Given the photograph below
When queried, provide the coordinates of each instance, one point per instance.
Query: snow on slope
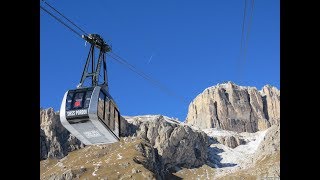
(224, 158)
(228, 160)
(214, 132)
(144, 118)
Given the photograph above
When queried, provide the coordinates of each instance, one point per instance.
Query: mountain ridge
(159, 147)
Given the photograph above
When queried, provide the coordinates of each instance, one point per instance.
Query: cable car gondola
(90, 113)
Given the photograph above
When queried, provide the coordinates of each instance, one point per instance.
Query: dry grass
(261, 169)
(203, 172)
(115, 161)
(112, 161)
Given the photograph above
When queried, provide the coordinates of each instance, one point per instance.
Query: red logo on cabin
(77, 104)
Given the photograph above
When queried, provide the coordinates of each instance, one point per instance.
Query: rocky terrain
(158, 147)
(159, 144)
(55, 140)
(235, 108)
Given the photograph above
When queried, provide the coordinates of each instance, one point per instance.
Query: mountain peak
(230, 131)
(232, 107)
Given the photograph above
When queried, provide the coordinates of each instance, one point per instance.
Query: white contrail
(150, 58)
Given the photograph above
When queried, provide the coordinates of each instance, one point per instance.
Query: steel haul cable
(244, 38)
(140, 73)
(114, 56)
(248, 32)
(55, 17)
(65, 17)
(243, 22)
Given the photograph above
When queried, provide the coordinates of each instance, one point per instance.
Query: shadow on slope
(215, 159)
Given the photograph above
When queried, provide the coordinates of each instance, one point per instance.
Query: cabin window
(78, 100)
(111, 116)
(87, 99)
(107, 111)
(116, 121)
(101, 105)
(69, 101)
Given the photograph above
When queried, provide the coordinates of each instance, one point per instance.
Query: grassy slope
(102, 161)
(115, 161)
(261, 169)
(203, 172)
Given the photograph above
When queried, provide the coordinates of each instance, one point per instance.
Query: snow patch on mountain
(227, 159)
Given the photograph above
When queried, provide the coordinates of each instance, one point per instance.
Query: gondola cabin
(91, 115)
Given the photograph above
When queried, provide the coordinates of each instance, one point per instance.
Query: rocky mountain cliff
(235, 108)
(176, 143)
(55, 140)
(161, 145)
(242, 139)
(163, 148)
(258, 159)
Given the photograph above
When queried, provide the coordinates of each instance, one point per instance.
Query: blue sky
(186, 45)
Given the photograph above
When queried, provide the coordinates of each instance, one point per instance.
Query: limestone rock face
(151, 159)
(44, 144)
(235, 108)
(177, 144)
(271, 98)
(228, 138)
(55, 140)
(270, 144)
(230, 141)
(156, 147)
